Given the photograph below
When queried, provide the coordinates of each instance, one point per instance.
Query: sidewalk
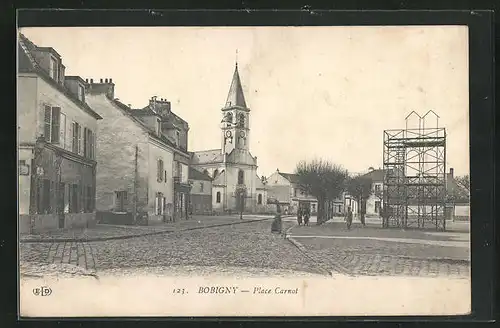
(104, 232)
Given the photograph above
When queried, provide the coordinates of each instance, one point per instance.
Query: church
(232, 167)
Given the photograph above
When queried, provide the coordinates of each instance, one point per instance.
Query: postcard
(243, 171)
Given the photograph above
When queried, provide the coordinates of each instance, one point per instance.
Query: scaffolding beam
(414, 160)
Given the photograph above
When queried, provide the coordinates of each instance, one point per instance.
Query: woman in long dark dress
(299, 216)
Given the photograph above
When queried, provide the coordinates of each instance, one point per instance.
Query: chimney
(451, 172)
(277, 170)
(110, 80)
(105, 87)
(87, 80)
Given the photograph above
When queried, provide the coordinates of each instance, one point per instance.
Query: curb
(304, 251)
(97, 239)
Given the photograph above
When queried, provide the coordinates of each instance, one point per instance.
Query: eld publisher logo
(42, 291)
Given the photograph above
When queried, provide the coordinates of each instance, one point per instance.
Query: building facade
(201, 192)
(232, 167)
(56, 143)
(142, 174)
(284, 188)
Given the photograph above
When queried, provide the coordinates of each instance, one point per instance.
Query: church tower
(235, 128)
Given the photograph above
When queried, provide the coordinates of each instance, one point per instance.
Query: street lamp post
(36, 171)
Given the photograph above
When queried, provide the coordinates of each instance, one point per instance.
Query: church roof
(235, 96)
(194, 174)
(207, 156)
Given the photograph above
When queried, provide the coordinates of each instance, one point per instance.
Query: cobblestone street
(374, 251)
(248, 247)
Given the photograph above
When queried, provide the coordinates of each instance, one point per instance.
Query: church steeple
(235, 96)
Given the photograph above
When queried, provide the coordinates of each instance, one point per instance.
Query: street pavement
(250, 247)
(372, 250)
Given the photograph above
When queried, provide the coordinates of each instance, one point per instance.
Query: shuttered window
(85, 142)
(52, 124)
(76, 138)
(160, 172)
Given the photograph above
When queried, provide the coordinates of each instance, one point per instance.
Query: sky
(313, 92)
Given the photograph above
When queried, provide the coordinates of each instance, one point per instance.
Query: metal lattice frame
(415, 175)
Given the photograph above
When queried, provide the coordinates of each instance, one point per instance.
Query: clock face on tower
(242, 134)
(228, 134)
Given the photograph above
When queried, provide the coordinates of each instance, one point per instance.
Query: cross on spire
(236, 57)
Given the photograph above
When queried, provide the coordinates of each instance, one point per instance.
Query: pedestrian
(299, 216)
(307, 215)
(348, 218)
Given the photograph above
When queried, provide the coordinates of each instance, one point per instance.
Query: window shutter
(74, 138)
(56, 124)
(85, 142)
(80, 139)
(62, 131)
(48, 117)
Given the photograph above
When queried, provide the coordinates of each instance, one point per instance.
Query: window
(177, 138)
(165, 176)
(53, 71)
(76, 137)
(229, 119)
(377, 188)
(160, 172)
(159, 203)
(201, 186)
(259, 199)
(218, 197)
(294, 192)
(81, 93)
(241, 120)
(62, 134)
(121, 201)
(216, 172)
(241, 177)
(52, 129)
(313, 208)
(158, 126)
(377, 206)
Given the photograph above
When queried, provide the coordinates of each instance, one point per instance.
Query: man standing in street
(348, 218)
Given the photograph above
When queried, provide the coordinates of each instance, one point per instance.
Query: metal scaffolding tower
(415, 174)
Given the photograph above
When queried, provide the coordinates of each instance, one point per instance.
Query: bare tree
(463, 191)
(360, 188)
(463, 181)
(323, 180)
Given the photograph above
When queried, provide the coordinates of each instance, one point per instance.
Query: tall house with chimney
(143, 163)
(56, 143)
(233, 168)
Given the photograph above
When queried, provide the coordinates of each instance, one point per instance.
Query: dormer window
(177, 137)
(81, 93)
(53, 69)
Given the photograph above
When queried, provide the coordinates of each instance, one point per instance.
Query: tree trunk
(321, 211)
